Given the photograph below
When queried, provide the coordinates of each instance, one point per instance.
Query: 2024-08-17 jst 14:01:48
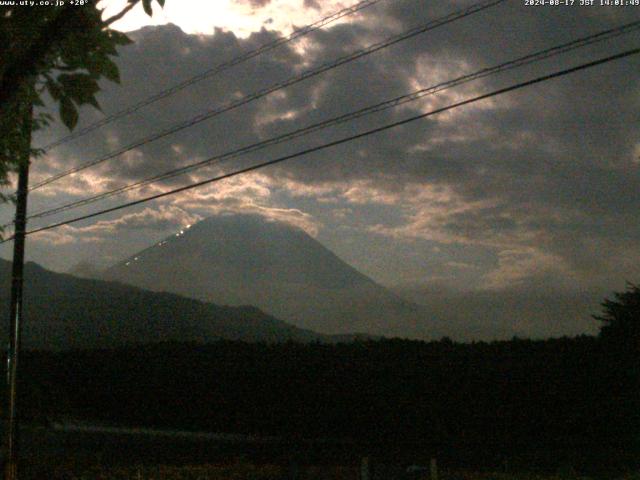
(582, 3)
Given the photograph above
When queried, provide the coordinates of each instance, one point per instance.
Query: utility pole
(15, 333)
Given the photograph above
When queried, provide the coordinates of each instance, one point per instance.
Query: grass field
(189, 472)
(247, 471)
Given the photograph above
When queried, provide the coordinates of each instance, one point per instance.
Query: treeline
(540, 403)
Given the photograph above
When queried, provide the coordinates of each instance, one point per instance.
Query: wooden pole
(15, 333)
(365, 469)
(433, 469)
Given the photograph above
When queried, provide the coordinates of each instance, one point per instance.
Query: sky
(530, 194)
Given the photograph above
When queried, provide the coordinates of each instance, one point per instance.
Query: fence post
(365, 470)
(433, 469)
(294, 470)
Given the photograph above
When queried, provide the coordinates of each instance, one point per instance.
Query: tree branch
(26, 65)
(118, 16)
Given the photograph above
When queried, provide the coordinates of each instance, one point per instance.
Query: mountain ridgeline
(248, 260)
(65, 312)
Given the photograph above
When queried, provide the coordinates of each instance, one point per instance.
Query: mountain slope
(245, 259)
(62, 311)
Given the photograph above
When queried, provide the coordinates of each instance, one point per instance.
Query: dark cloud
(256, 3)
(312, 4)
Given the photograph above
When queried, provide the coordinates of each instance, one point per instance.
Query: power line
(350, 138)
(480, 6)
(400, 100)
(279, 86)
(214, 71)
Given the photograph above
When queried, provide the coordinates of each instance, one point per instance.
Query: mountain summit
(249, 260)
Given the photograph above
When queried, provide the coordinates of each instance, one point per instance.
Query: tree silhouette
(621, 316)
(63, 51)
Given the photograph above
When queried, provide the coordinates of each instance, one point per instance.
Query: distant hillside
(245, 259)
(533, 310)
(63, 311)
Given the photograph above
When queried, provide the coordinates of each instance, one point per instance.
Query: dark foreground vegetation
(533, 404)
(570, 403)
(250, 471)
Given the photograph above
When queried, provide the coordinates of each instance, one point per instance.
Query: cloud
(518, 265)
(250, 194)
(160, 219)
(258, 3)
(242, 17)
